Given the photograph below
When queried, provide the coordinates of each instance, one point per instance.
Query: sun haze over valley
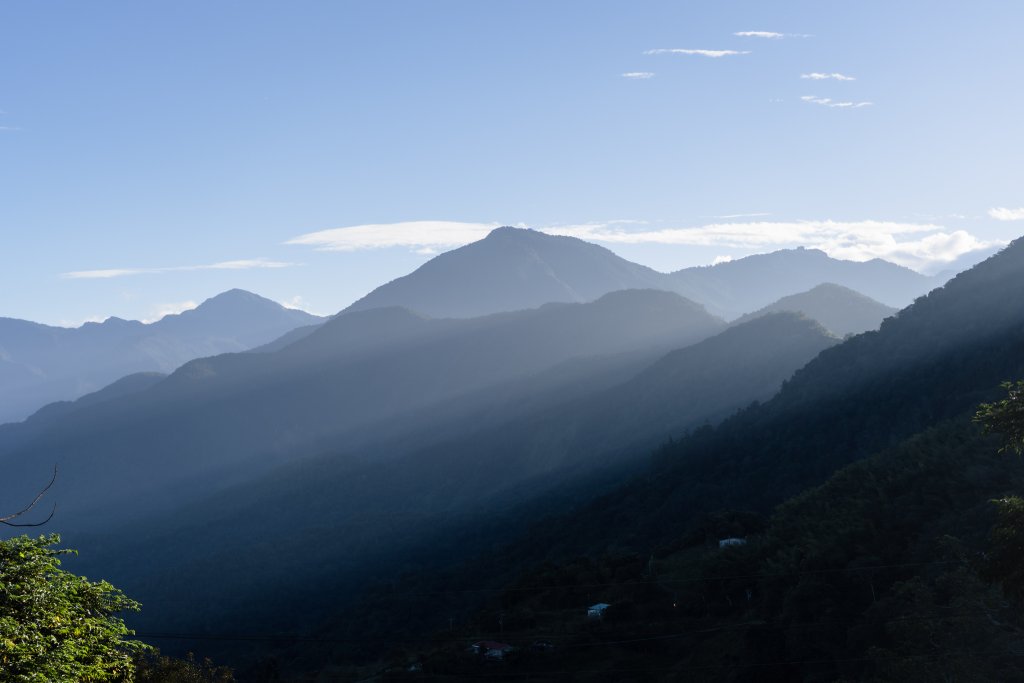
(462, 341)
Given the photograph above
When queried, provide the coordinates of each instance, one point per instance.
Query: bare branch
(7, 520)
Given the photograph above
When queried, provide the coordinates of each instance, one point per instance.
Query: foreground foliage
(1006, 563)
(56, 626)
(1005, 417)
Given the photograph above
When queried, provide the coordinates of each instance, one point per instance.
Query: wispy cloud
(760, 34)
(701, 53)
(771, 35)
(638, 75)
(916, 245)
(840, 104)
(9, 128)
(418, 235)
(1001, 213)
(242, 264)
(819, 76)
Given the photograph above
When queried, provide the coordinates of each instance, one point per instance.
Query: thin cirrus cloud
(1001, 213)
(772, 35)
(690, 51)
(915, 245)
(422, 236)
(638, 75)
(839, 104)
(241, 264)
(821, 76)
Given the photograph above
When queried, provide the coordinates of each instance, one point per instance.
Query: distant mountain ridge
(513, 269)
(40, 364)
(472, 471)
(246, 412)
(744, 285)
(839, 309)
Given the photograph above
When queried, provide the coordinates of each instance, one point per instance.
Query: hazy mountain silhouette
(933, 361)
(330, 455)
(839, 309)
(48, 417)
(513, 269)
(376, 509)
(40, 363)
(219, 419)
(745, 285)
(923, 372)
(964, 262)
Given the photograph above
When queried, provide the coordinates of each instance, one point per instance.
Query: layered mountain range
(515, 268)
(526, 377)
(42, 363)
(512, 269)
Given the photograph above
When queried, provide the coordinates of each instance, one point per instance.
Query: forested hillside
(336, 521)
(878, 574)
(922, 374)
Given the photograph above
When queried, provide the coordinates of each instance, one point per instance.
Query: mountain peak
(235, 297)
(839, 309)
(237, 314)
(511, 269)
(237, 304)
(510, 231)
(111, 322)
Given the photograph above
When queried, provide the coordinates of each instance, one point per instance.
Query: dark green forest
(865, 492)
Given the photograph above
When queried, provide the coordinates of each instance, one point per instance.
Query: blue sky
(155, 154)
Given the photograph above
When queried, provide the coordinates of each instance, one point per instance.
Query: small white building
(597, 611)
(728, 542)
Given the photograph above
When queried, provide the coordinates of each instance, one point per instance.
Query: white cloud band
(819, 76)
(410, 234)
(829, 102)
(915, 245)
(242, 264)
(701, 53)
(770, 34)
(638, 75)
